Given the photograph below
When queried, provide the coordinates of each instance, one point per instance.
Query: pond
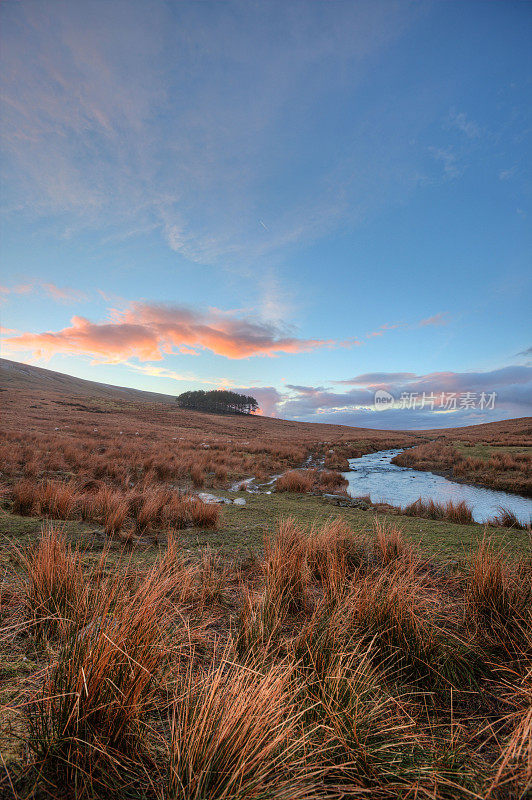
(375, 475)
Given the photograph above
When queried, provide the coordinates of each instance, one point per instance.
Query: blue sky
(313, 200)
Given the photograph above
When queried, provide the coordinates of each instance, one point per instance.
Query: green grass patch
(243, 529)
(486, 451)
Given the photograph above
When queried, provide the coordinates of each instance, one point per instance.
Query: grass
(453, 512)
(308, 480)
(152, 647)
(325, 665)
(498, 597)
(52, 592)
(84, 725)
(235, 734)
(242, 529)
(502, 467)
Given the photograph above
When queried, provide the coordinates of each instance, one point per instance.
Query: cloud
(527, 352)
(61, 294)
(512, 387)
(268, 398)
(460, 121)
(506, 174)
(449, 160)
(378, 378)
(442, 318)
(19, 288)
(161, 372)
(179, 119)
(147, 331)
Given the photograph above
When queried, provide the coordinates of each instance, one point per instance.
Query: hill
(26, 377)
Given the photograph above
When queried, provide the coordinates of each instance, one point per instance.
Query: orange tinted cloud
(442, 318)
(148, 331)
(62, 294)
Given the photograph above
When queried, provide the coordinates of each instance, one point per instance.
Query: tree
(218, 401)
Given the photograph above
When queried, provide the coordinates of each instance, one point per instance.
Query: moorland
(156, 645)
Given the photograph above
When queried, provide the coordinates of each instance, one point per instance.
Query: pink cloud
(20, 288)
(61, 294)
(147, 331)
(442, 318)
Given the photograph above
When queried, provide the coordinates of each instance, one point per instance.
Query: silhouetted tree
(218, 401)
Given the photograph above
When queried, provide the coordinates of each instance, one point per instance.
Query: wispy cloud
(436, 320)
(61, 294)
(140, 117)
(442, 318)
(467, 126)
(449, 159)
(506, 174)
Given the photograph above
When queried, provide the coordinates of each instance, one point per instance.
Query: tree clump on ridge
(218, 401)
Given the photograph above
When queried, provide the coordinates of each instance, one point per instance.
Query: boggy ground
(156, 647)
(497, 464)
(299, 656)
(125, 442)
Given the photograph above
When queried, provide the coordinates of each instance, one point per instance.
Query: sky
(309, 201)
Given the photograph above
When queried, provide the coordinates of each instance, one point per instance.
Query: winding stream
(375, 475)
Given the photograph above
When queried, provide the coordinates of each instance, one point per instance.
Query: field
(156, 646)
(496, 464)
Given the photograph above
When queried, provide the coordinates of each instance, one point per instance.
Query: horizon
(325, 206)
(260, 413)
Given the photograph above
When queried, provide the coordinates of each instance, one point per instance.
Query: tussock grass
(286, 567)
(146, 509)
(339, 665)
(498, 599)
(236, 734)
(308, 480)
(85, 725)
(53, 586)
(505, 518)
(515, 761)
(296, 480)
(367, 739)
(453, 512)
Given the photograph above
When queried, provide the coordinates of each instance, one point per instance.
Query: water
(384, 482)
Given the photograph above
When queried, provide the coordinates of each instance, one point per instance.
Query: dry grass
(296, 480)
(504, 471)
(85, 724)
(123, 444)
(148, 508)
(507, 519)
(498, 598)
(515, 762)
(339, 665)
(53, 589)
(308, 480)
(453, 512)
(334, 668)
(236, 735)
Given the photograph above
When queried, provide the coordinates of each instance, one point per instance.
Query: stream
(375, 475)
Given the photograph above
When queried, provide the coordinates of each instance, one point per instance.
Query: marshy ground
(154, 646)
